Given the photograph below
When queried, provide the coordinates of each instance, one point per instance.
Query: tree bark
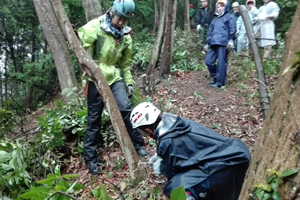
(212, 5)
(263, 92)
(173, 24)
(92, 9)
(156, 17)
(279, 140)
(187, 23)
(6, 79)
(158, 41)
(58, 46)
(166, 57)
(91, 68)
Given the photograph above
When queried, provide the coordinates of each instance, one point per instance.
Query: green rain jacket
(113, 56)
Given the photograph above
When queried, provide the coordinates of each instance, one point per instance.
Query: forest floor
(233, 111)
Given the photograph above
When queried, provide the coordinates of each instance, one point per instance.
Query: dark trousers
(95, 108)
(217, 71)
(225, 184)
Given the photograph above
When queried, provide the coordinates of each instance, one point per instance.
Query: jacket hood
(227, 8)
(168, 123)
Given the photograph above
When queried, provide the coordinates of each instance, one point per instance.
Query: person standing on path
(267, 14)
(203, 19)
(192, 13)
(219, 43)
(110, 45)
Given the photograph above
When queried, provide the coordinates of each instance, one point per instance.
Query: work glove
(255, 20)
(205, 48)
(230, 45)
(153, 159)
(156, 166)
(237, 34)
(130, 91)
(199, 28)
(262, 18)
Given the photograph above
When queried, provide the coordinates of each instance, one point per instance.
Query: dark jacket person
(208, 165)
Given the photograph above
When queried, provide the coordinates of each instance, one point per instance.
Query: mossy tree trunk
(279, 140)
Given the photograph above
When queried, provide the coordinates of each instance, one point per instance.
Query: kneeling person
(207, 164)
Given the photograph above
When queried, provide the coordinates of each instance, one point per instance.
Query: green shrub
(55, 185)
(6, 121)
(15, 158)
(186, 52)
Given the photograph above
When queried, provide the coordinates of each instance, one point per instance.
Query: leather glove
(230, 45)
(156, 166)
(205, 48)
(199, 27)
(130, 91)
(153, 159)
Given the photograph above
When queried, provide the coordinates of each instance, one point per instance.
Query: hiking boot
(212, 82)
(140, 150)
(215, 85)
(94, 167)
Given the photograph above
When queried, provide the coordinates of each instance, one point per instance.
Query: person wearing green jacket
(110, 44)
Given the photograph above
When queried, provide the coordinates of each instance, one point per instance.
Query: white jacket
(267, 26)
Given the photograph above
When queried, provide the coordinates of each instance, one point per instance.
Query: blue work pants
(217, 71)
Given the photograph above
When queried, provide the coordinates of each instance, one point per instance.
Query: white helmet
(235, 4)
(144, 114)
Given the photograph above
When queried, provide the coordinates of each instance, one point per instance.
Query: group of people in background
(224, 31)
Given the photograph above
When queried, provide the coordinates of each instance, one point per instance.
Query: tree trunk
(212, 5)
(279, 140)
(156, 17)
(166, 57)
(1, 92)
(92, 69)
(263, 92)
(173, 25)
(57, 43)
(92, 9)
(5, 79)
(187, 23)
(158, 41)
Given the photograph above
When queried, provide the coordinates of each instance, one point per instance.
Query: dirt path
(228, 111)
(233, 112)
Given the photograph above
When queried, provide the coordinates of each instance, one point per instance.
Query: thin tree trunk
(58, 46)
(1, 92)
(92, 9)
(91, 68)
(156, 17)
(158, 41)
(279, 140)
(187, 23)
(5, 79)
(263, 92)
(166, 57)
(173, 25)
(30, 89)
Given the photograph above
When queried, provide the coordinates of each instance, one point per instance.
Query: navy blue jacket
(192, 152)
(222, 28)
